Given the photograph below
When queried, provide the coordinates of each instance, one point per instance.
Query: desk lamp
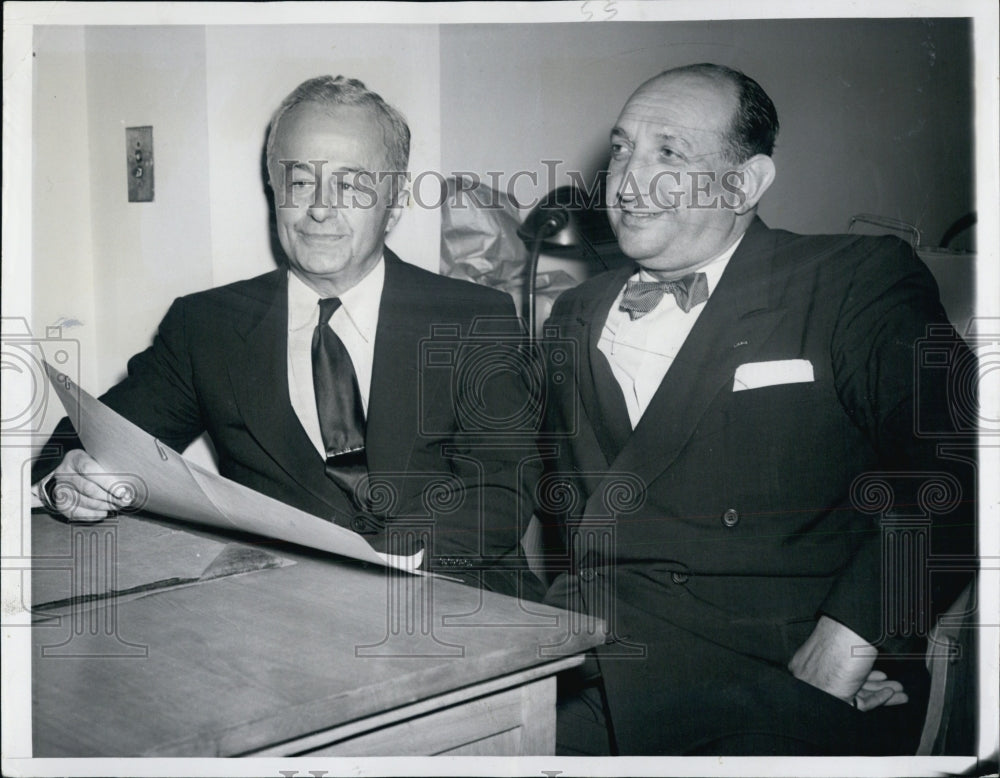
(555, 225)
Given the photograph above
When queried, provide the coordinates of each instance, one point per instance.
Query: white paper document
(172, 486)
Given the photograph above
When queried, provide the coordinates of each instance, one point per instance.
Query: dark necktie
(643, 296)
(338, 402)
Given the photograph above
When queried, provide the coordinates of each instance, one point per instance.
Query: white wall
(146, 254)
(62, 262)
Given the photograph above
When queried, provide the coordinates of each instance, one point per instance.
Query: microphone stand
(549, 227)
(554, 221)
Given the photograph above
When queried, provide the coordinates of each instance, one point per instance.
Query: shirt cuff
(41, 494)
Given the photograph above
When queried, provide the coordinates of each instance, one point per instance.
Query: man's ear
(757, 175)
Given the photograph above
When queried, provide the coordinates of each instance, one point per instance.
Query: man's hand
(81, 490)
(879, 690)
(839, 661)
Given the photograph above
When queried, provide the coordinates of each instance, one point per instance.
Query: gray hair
(330, 91)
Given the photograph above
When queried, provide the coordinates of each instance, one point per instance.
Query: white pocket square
(754, 375)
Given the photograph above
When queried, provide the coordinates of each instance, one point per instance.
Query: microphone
(543, 222)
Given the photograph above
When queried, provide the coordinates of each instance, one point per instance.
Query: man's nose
(321, 211)
(632, 188)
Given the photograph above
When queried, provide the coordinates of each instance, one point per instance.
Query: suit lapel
(737, 320)
(601, 396)
(393, 412)
(259, 375)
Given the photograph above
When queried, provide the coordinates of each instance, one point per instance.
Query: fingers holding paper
(81, 490)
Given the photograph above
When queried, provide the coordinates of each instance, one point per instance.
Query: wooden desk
(321, 656)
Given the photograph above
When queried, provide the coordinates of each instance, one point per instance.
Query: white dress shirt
(355, 322)
(640, 352)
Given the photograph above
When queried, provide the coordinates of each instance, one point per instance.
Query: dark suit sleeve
(903, 406)
(157, 395)
(493, 451)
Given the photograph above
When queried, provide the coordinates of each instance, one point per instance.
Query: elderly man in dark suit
(741, 390)
(310, 379)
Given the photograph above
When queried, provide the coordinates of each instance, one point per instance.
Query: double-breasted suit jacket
(744, 504)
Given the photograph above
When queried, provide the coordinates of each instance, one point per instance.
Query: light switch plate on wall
(139, 163)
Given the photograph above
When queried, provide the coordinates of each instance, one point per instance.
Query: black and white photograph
(596, 387)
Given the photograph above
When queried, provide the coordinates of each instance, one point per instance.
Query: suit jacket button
(731, 517)
(359, 524)
(679, 578)
(587, 574)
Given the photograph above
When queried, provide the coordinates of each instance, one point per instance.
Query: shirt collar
(360, 302)
(712, 270)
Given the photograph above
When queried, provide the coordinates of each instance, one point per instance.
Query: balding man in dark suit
(739, 387)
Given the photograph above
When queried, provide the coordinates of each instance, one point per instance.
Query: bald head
(753, 121)
(689, 163)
